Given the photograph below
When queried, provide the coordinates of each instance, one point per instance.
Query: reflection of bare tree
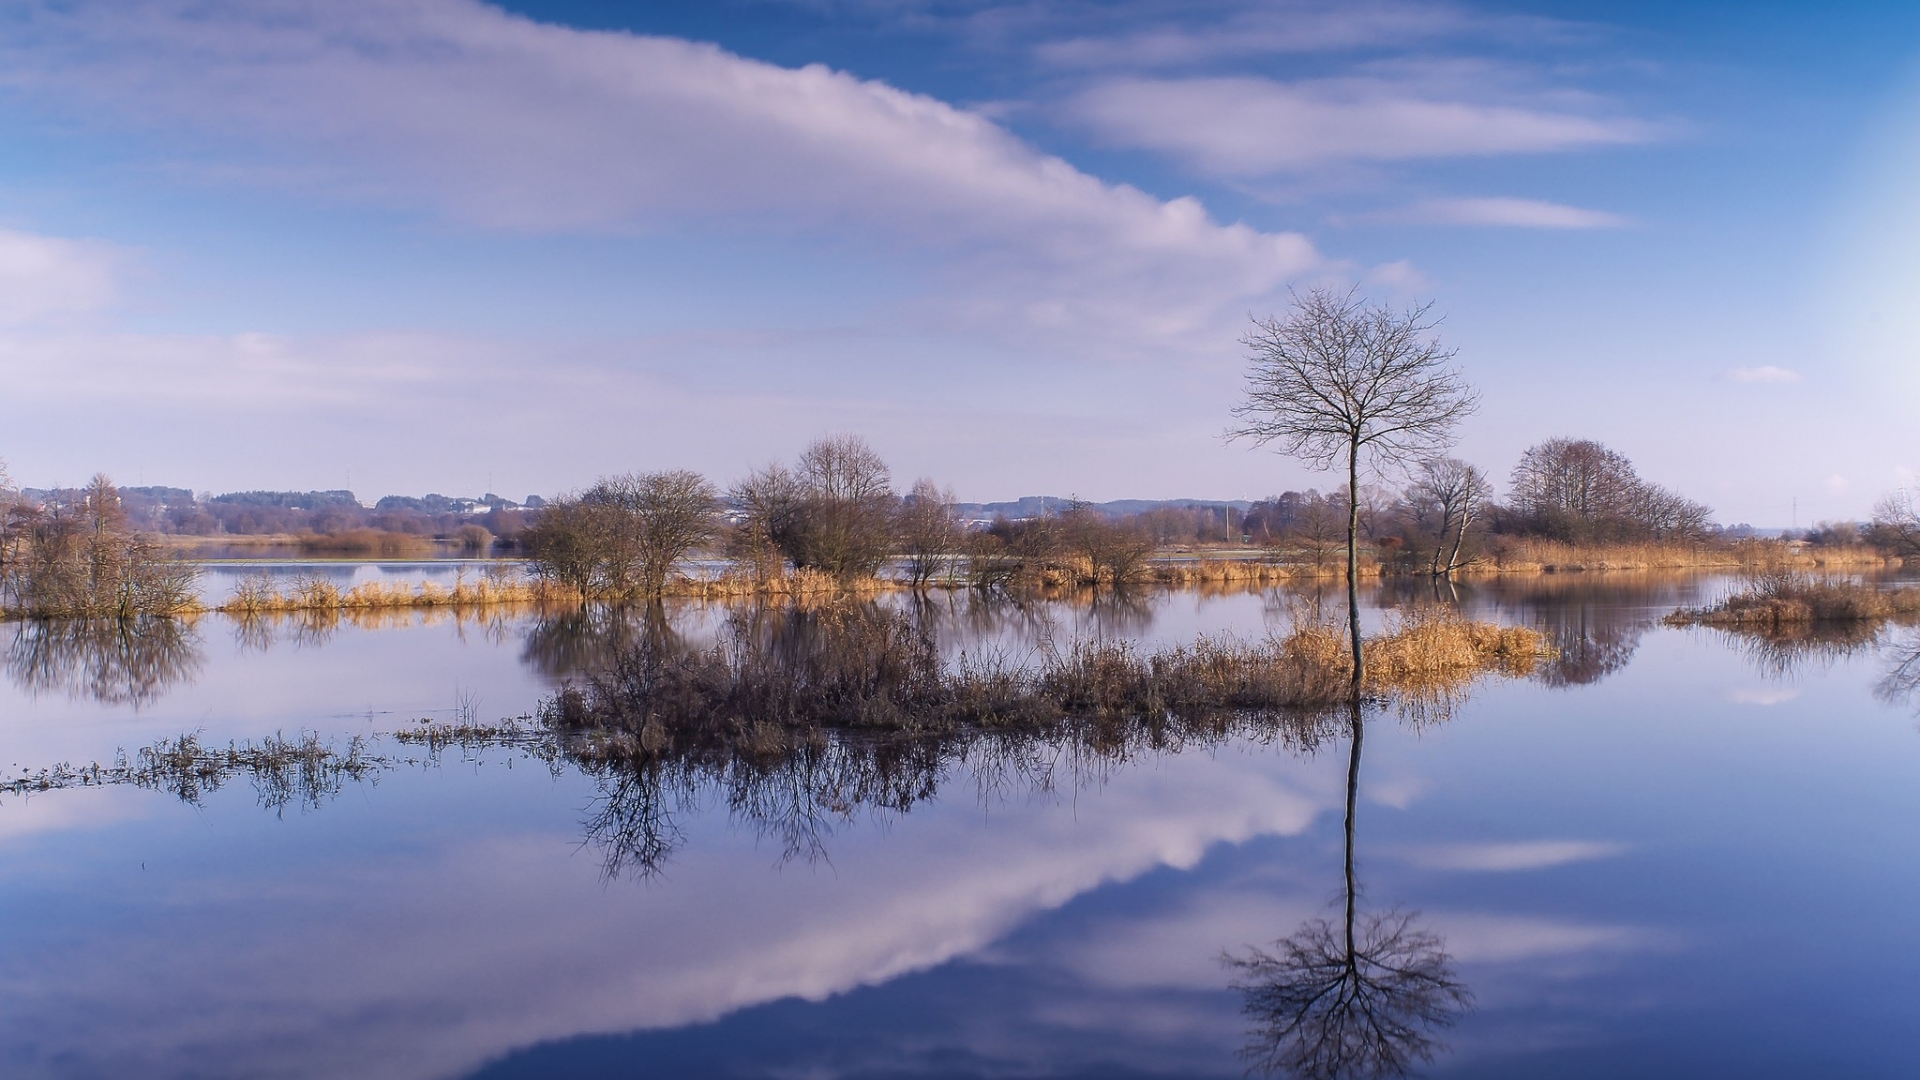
(1590, 645)
(112, 661)
(588, 638)
(1900, 683)
(1361, 1000)
(1783, 654)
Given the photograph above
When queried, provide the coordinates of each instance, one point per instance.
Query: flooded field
(1665, 852)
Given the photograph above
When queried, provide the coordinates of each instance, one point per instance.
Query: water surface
(1669, 853)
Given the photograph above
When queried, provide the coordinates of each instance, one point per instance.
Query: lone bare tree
(1896, 523)
(623, 536)
(1454, 493)
(929, 531)
(1342, 378)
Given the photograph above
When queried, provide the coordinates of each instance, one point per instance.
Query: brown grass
(1226, 571)
(260, 594)
(1524, 554)
(1784, 599)
(365, 542)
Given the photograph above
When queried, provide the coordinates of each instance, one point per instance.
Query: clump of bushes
(80, 559)
(770, 680)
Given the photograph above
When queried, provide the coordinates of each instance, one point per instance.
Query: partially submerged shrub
(1785, 598)
(858, 666)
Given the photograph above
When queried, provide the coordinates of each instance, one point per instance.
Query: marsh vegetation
(1786, 598)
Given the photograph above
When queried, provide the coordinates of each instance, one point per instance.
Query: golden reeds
(1781, 599)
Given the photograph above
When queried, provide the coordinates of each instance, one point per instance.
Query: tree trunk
(1459, 538)
(1353, 563)
(1353, 803)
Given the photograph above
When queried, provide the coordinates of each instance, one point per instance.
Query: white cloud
(1764, 374)
(506, 123)
(1515, 213)
(1246, 127)
(1266, 30)
(1837, 484)
(1519, 855)
(43, 276)
(1401, 276)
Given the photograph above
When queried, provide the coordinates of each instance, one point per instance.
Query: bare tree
(675, 513)
(78, 558)
(1453, 493)
(623, 536)
(848, 507)
(562, 545)
(1896, 523)
(1339, 378)
(770, 502)
(1579, 490)
(928, 530)
(1115, 551)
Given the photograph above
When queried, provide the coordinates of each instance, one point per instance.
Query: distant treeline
(178, 511)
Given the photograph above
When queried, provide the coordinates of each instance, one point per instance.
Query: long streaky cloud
(500, 122)
(1247, 127)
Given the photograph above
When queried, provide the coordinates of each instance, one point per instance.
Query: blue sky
(437, 244)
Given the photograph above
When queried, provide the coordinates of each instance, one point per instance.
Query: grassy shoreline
(501, 583)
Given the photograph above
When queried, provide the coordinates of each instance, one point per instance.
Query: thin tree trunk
(1353, 563)
(1353, 803)
(1459, 538)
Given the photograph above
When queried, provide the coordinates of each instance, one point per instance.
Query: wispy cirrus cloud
(1507, 212)
(499, 122)
(1252, 126)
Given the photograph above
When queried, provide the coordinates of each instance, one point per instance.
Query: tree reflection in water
(589, 637)
(1359, 1000)
(1899, 684)
(112, 661)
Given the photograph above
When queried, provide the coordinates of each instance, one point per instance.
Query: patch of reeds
(1533, 554)
(1225, 571)
(261, 594)
(365, 543)
(1783, 599)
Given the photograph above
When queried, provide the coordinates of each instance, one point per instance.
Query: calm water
(1670, 853)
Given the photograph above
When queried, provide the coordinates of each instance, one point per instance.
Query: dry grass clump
(365, 542)
(1784, 598)
(1209, 571)
(801, 584)
(1511, 554)
(262, 594)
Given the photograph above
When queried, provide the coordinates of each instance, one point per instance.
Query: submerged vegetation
(303, 772)
(772, 681)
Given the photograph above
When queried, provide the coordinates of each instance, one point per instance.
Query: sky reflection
(1625, 872)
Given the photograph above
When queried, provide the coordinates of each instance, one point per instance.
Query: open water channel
(1667, 853)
